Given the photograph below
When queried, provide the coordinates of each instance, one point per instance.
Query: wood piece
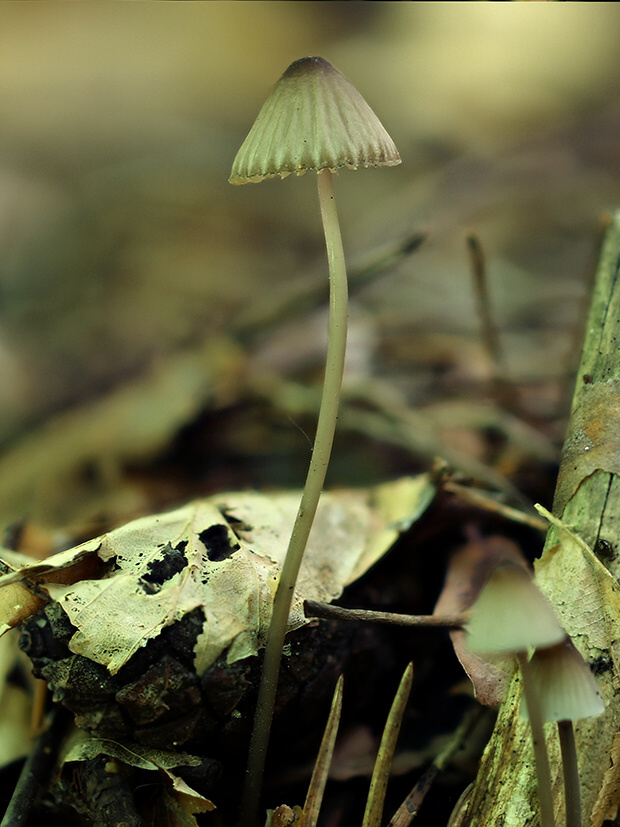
(588, 500)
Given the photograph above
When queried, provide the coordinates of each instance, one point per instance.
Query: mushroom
(568, 692)
(511, 616)
(314, 119)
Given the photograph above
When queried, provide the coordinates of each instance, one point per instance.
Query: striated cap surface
(566, 687)
(313, 119)
(511, 614)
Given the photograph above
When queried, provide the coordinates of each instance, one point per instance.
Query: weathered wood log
(582, 584)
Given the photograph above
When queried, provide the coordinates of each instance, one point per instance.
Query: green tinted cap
(511, 614)
(316, 119)
(567, 689)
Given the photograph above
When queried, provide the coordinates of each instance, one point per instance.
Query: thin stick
(541, 758)
(410, 807)
(326, 426)
(325, 611)
(504, 390)
(481, 287)
(481, 499)
(306, 294)
(572, 792)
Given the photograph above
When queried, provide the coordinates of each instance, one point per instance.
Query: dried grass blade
(381, 771)
(320, 772)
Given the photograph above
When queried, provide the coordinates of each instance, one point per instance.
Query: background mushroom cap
(511, 614)
(316, 119)
(566, 687)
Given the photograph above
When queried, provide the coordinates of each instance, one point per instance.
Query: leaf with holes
(223, 555)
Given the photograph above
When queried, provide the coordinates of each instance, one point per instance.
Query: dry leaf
(285, 816)
(591, 610)
(84, 747)
(468, 570)
(17, 601)
(184, 798)
(224, 555)
(50, 570)
(16, 604)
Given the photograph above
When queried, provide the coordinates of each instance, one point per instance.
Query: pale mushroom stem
(572, 793)
(541, 757)
(326, 426)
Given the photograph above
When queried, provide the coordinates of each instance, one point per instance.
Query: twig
(34, 773)
(326, 611)
(490, 338)
(482, 499)
(307, 294)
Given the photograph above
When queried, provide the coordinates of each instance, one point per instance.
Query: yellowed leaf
(19, 601)
(591, 610)
(224, 555)
(22, 567)
(16, 604)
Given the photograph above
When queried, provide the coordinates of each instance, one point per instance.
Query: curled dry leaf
(63, 567)
(84, 748)
(285, 816)
(468, 570)
(224, 555)
(19, 601)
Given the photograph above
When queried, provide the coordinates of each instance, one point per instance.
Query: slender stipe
(321, 452)
(541, 757)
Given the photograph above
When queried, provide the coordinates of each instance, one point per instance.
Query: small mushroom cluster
(511, 616)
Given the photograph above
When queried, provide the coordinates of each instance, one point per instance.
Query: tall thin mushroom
(314, 119)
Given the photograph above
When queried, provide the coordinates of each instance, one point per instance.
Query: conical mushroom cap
(567, 690)
(511, 615)
(314, 118)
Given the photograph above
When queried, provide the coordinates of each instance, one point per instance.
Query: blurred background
(122, 246)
